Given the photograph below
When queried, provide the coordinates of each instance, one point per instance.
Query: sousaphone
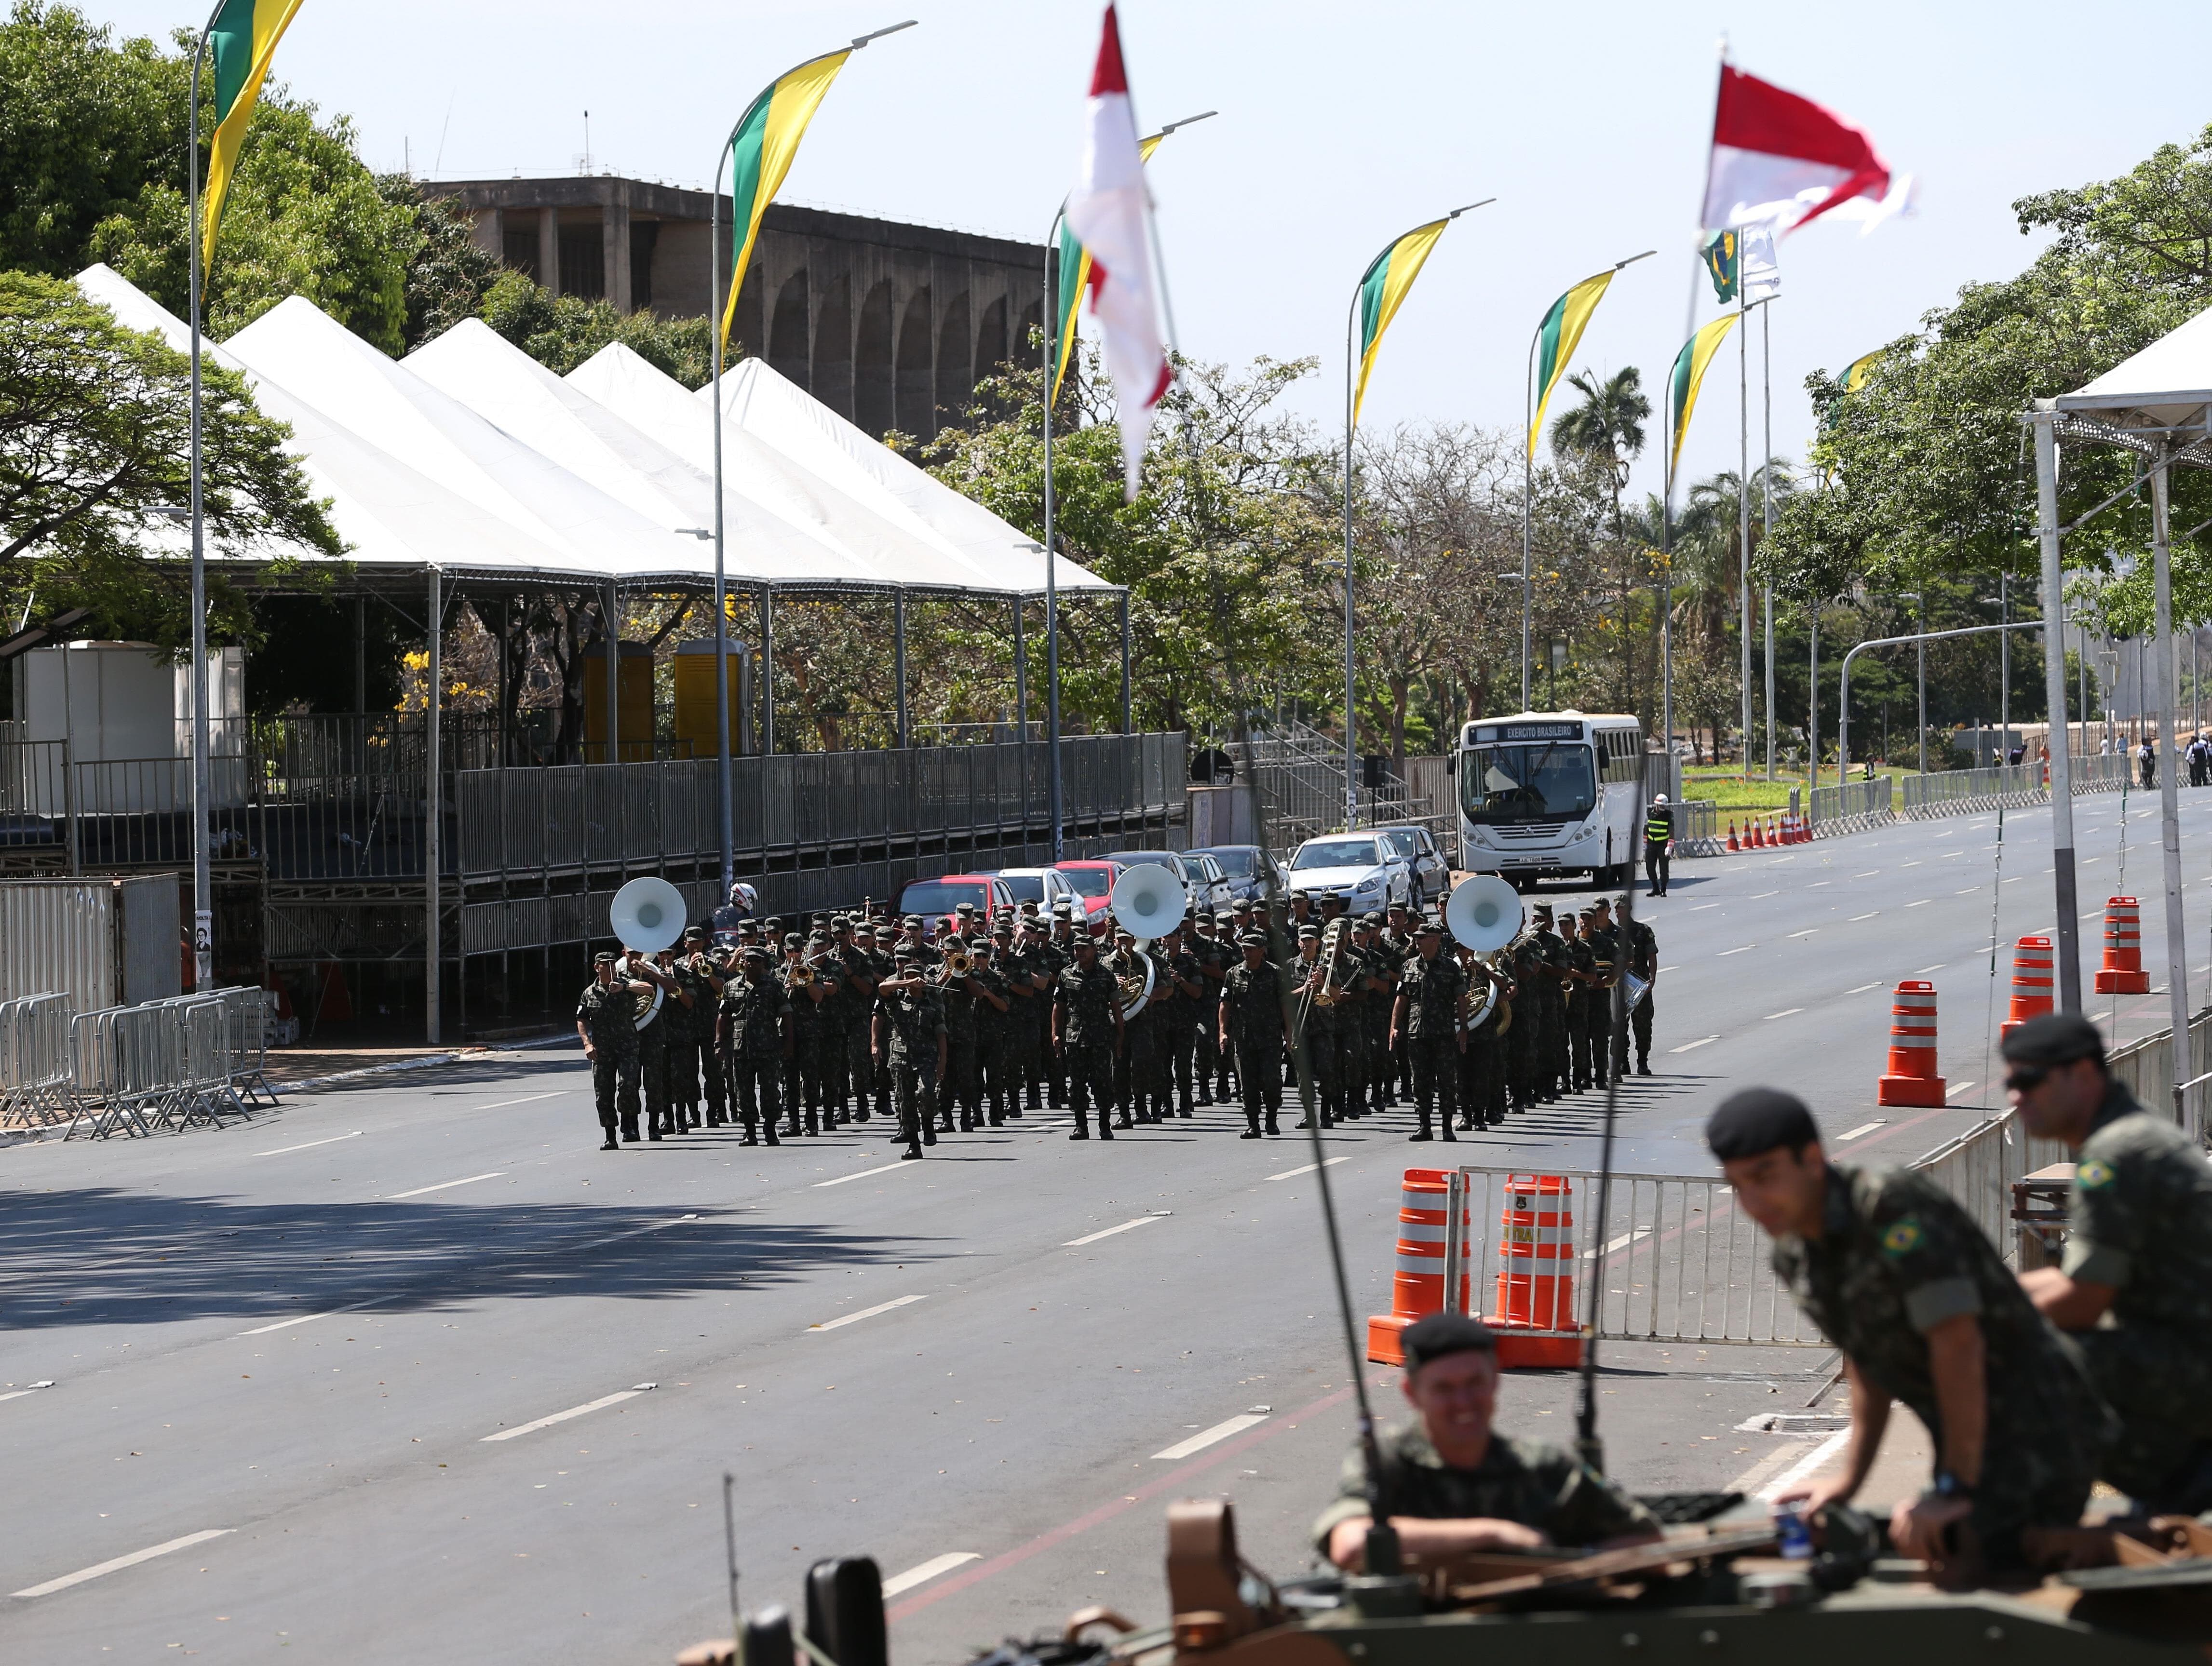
(647, 915)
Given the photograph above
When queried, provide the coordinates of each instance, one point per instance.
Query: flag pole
(1051, 573)
(1351, 695)
(1527, 499)
(1744, 502)
(1766, 495)
(1667, 583)
(202, 878)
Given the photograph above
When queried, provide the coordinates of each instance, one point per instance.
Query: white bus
(1545, 795)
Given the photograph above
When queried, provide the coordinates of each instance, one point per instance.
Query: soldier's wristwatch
(1948, 1486)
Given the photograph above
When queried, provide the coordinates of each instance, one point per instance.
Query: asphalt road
(350, 1343)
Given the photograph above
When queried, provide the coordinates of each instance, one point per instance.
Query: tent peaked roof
(2168, 385)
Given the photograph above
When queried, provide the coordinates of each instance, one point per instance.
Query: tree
(1608, 425)
(448, 276)
(561, 331)
(94, 423)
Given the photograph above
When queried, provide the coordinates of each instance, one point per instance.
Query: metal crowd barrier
(169, 1064)
(38, 1084)
(1853, 807)
(1956, 791)
(122, 1070)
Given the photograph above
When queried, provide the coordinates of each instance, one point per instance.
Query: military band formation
(787, 1033)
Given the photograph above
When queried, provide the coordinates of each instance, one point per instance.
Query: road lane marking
(1689, 1046)
(1961, 1088)
(1701, 908)
(1808, 1465)
(1862, 988)
(1762, 895)
(1855, 918)
(1940, 855)
(1868, 874)
(1205, 1437)
(527, 1098)
(1291, 1173)
(1914, 863)
(601, 1404)
(1808, 931)
(862, 1175)
(1725, 953)
(311, 1144)
(445, 1186)
(1968, 891)
(1924, 970)
(922, 1572)
(1863, 1127)
(865, 1313)
(131, 1561)
(1619, 1244)
(1125, 1226)
(19, 1393)
(301, 1319)
(1922, 903)
(1787, 1012)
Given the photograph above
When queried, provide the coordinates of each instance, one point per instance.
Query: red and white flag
(1107, 212)
(1780, 159)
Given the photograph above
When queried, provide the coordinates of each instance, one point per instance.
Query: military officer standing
(1581, 978)
(1314, 1021)
(1524, 963)
(1398, 947)
(753, 1036)
(1897, 1276)
(1252, 1028)
(699, 985)
(1640, 955)
(607, 1023)
(2135, 1287)
(1087, 1034)
(1604, 939)
(1553, 1075)
(910, 1038)
(961, 1071)
(994, 1013)
(1431, 1005)
(1054, 955)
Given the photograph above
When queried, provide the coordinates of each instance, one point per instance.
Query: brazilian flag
(1723, 255)
(240, 41)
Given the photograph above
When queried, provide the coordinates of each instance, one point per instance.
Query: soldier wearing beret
(2134, 1287)
(1901, 1281)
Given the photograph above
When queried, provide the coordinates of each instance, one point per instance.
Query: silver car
(1417, 848)
(1356, 867)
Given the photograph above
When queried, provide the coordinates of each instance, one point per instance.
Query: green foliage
(449, 275)
(93, 425)
(561, 331)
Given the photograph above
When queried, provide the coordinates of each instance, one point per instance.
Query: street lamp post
(203, 893)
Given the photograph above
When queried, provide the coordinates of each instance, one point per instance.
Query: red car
(1094, 883)
(938, 900)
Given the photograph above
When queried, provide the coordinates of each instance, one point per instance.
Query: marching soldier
(883, 941)
(1431, 1006)
(1639, 955)
(753, 1037)
(958, 1083)
(1054, 955)
(909, 1038)
(1030, 992)
(659, 1040)
(1135, 1061)
(1397, 947)
(1186, 990)
(1581, 978)
(1087, 1034)
(993, 1019)
(1353, 1017)
(814, 989)
(1604, 939)
(607, 1023)
(1481, 1073)
(699, 985)
(1554, 1077)
(1252, 1028)
(1524, 964)
(1206, 954)
(1314, 1022)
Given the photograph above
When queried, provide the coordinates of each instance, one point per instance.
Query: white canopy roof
(2168, 385)
(472, 457)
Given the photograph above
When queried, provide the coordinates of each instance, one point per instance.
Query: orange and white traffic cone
(2122, 973)
(1535, 1276)
(1732, 842)
(2032, 977)
(1417, 1290)
(1911, 1078)
(1758, 837)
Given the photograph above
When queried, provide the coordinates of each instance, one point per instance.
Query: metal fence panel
(37, 1078)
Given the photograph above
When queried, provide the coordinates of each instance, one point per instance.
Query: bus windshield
(1547, 781)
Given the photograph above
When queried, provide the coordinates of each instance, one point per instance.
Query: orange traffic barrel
(1418, 1288)
(2032, 981)
(2122, 973)
(1911, 1078)
(1536, 1289)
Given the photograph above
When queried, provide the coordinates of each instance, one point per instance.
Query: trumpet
(802, 975)
(957, 963)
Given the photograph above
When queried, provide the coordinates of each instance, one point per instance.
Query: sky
(1340, 127)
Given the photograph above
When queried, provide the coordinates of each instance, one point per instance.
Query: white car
(1357, 867)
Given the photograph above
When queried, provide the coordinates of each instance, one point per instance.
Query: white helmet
(1661, 799)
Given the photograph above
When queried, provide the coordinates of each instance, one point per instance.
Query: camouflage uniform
(1087, 1002)
(1135, 1064)
(960, 1063)
(1252, 1012)
(1431, 991)
(914, 1020)
(1597, 1005)
(1528, 1481)
(1050, 958)
(993, 1027)
(1209, 1065)
(749, 1036)
(1553, 1074)
(1524, 1038)
(1579, 998)
(1480, 1078)
(2139, 1218)
(696, 1069)
(608, 1013)
(1895, 1258)
(1179, 1025)
(1354, 1018)
(814, 1031)
(656, 1042)
(1024, 1044)
(1642, 953)
(1317, 1025)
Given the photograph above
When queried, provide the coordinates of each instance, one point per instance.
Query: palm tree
(1608, 424)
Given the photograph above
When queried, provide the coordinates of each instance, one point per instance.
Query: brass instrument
(802, 975)
(1135, 989)
(1331, 957)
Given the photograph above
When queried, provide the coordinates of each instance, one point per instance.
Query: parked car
(934, 899)
(1042, 885)
(1247, 868)
(1093, 881)
(1356, 867)
(1205, 890)
(1417, 848)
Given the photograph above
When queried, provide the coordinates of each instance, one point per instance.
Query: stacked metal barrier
(38, 1085)
(122, 1069)
(167, 1064)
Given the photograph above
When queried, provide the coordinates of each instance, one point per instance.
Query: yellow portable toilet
(695, 697)
(633, 694)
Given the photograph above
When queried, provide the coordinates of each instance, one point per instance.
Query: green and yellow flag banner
(1557, 341)
(761, 153)
(241, 42)
(1854, 375)
(1074, 278)
(1723, 253)
(1689, 373)
(1383, 291)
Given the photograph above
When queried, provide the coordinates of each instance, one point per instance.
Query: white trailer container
(104, 942)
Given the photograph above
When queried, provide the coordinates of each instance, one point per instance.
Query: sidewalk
(300, 1068)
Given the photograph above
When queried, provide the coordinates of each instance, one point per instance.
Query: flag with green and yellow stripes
(1074, 275)
(1556, 341)
(761, 150)
(1383, 291)
(240, 40)
(1689, 374)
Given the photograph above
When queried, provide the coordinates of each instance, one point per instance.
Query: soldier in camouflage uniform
(1425, 1019)
(1252, 1028)
(1181, 987)
(1314, 1024)
(1086, 1034)
(813, 988)
(1604, 939)
(1136, 1063)
(1553, 1075)
(607, 1023)
(1523, 963)
(1213, 961)
(1053, 957)
(1642, 958)
(1575, 987)
(699, 985)
(880, 1070)
(660, 1044)
(1481, 1078)
(2135, 1285)
(1029, 992)
(909, 1036)
(1898, 1276)
(1455, 1484)
(959, 1087)
(753, 1037)
(993, 1016)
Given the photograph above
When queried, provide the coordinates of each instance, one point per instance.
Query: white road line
(1863, 1127)
(1924, 970)
(1725, 953)
(1620, 1242)
(1856, 917)
(1868, 874)
(1914, 863)
(1787, 1012)
(1808, 931)
(327, 1313)
(865, 1313)
(862, 1175)
(311, 1144)
(922, 1572)
(1968, 891)
(527, 1098)
(1811, 1463)
(1125, 1226)
(601, 1404)
(1205, 1437)
(1940, 855)
(1961, 1088)
(1689, 1046)
(1288, 1174)
(131, 1561)
(445, 1185)
(1762, 895)
(1668, 969)
(1922, 903)
(19, 1393)
(1701, 908)
(1862, 988)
